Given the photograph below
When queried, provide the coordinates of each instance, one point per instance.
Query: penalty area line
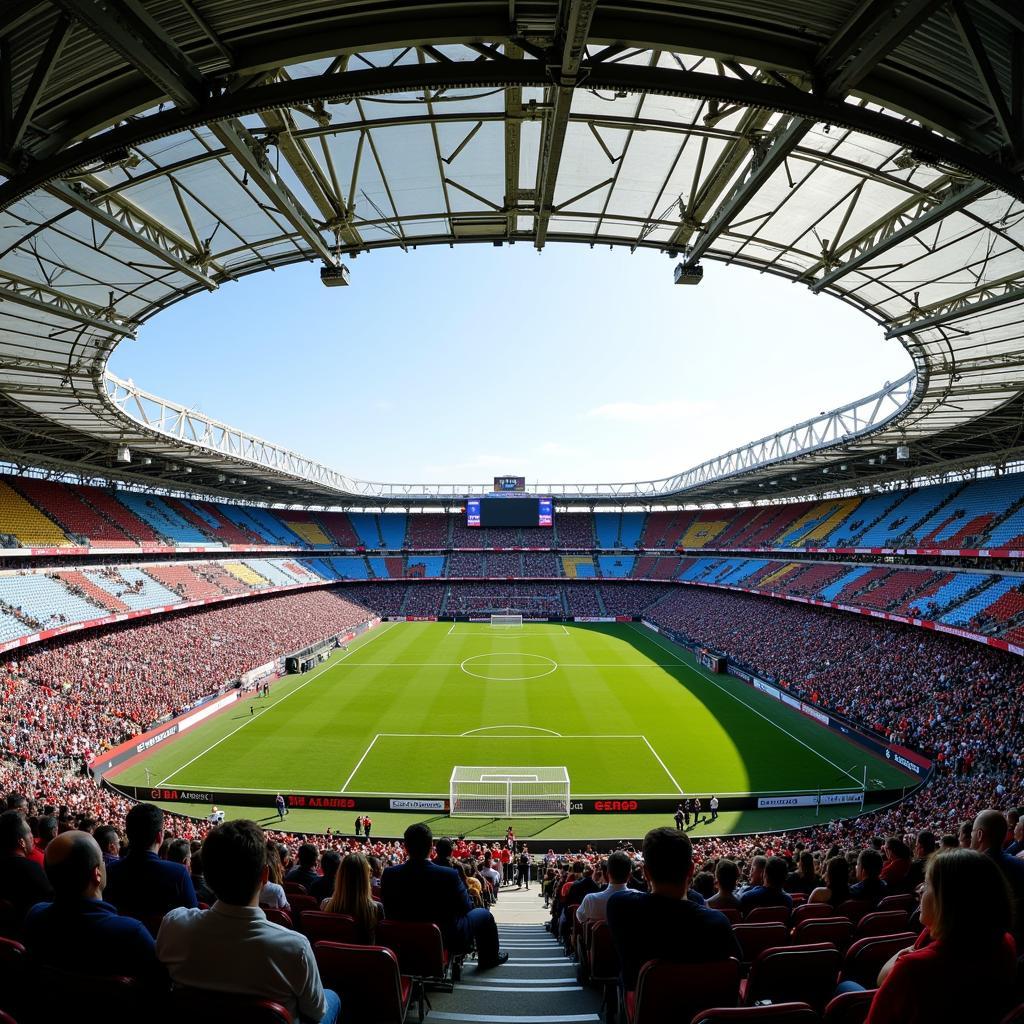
(359, 762)
(672, 778)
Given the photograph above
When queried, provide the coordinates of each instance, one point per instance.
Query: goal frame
(514, 621)
(499, 791)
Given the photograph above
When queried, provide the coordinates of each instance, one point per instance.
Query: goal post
(507, 621)
(509, 792)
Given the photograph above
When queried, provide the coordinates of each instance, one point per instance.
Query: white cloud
(673, 410)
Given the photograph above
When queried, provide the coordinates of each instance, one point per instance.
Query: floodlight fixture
(124, 454)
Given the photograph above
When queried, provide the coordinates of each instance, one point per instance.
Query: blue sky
(455, 365)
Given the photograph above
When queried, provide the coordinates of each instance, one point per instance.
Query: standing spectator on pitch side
(714, 808)
(678, 817)
(359, 826)
(367, 825)
(282, 810)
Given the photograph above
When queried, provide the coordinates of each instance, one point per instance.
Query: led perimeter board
(511, 512)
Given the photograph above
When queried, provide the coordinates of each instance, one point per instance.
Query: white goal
(507, 621)
(502, 792)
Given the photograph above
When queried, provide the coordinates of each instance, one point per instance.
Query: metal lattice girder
(132, 223)
(126, 27)
(45, 299)
(236, 139)
(573, 29)
(904, 222)
(968, 303)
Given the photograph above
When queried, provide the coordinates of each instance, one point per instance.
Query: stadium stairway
(538, 984)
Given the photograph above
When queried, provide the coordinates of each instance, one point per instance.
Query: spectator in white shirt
(491, 875)
(232, 947)
(595, 904)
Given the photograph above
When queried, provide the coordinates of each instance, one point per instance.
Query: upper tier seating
(81, 584)
(220, 526)
(45, 601)
(664, 529)
(578, 567)
(503, 563)
(164, 520)
(348, 567)
(65, 506)
(305, 525)
(184, 580)
(200, 521)
(21, 520)
(365, 525)
(339, 527)
(429, 531)
(575, 530)
(11, 627)
(426, 566)
(616, 565)
(465, 563)
(106, 503)
(134, 587)
(541, 563)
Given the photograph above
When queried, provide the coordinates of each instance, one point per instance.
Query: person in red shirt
(897, 865)
(963, 964)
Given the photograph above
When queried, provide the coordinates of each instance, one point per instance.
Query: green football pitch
(628, 713)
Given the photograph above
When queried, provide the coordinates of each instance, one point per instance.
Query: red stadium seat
(201, 1006)
(755, 938)
(731, 913)
(6, 1019)
(853, 909)
(904, 901)
(294, 888)
(419, 947)
(301, 903)
(667, 993)
(849, 1008)
(809, 910)
(765, 915)
(781, 1013)
(604, 965)
(281, 917)
(796, 974)
(882, 922)
(867, 956)
(367, 979)
(122, 998)
(837, 930)
(320, 926)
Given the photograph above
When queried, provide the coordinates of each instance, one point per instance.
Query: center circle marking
(545, 668)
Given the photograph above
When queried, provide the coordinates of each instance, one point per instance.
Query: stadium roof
(152, 149)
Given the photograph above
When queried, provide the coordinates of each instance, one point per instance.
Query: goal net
(501, 792)
(507, 621)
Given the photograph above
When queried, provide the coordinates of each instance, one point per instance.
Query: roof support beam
(235, 138)
(130, 222)
(126, 28)
(40, 75)
(769, 155)
(44, 299)
(513, 137)
(969, 303)
(878, 27)
(574, 21)
(894, 228)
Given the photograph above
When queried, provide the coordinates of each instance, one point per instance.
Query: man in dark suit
(78, 929)
(140, 884)
(663, 924)
(305, 871)
(988, 836)
(870, 886)
(22, 881)
(421, 891)
(771, 893)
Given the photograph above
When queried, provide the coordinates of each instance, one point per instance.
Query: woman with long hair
(272, 894)
(963, 965)
(836, 889)
(352, 896)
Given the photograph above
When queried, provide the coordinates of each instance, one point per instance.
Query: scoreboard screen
(528, 512)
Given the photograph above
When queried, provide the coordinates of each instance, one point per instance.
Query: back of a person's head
(760, 861)
(949, 842)
(234, 855)
(966, 900)
(178, 851)
(47, 828)
(837, 873)
(871, 863)
(330, 861)
(70, 863)
(619, 867)
(775, 872)
(807, 862)
(418, 840)
(142, 825)
(444, 847)
(12, 829)
(105, 835)
(728, 874)
(927, 841)
(17, 802)
(993, 828)
(668, 855)
(308, 855)
(897, 848)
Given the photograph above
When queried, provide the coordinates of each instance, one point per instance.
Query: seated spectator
(595, 904)
(962, 966)
(305, 872)
(727, 874)
(140, 884)
(421, 891)
(491, 876)
(78, 931)
(806, 878)
(896, 869)
(232, 947)
(869, 887)
(324, 885)
(924, 849)
(989, 837)
(22, 881)
(109, 843)
(272, 894)
(756, 879)
(46, 832)
(836, 889)
(771, 894)
(352, 896)
(204, 894)
(663, 924)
